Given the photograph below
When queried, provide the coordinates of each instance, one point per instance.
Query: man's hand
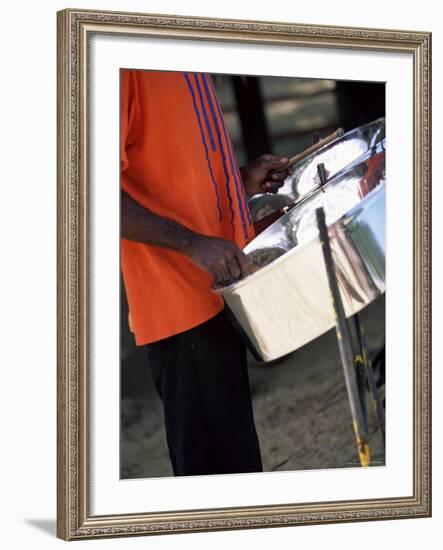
(221, 258)
(265, 174)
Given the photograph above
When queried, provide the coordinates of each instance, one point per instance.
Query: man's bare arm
(142, 225)
(219, 257)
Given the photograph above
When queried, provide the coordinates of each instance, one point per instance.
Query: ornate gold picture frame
(74, 517)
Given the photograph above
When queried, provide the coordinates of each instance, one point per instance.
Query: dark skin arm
(222, 259)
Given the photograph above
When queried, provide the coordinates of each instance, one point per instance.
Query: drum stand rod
(369, 376)
(345, 346)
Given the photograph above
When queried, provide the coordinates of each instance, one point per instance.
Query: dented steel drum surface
(287, 303)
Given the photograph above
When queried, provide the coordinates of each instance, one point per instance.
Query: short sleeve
(126, 100)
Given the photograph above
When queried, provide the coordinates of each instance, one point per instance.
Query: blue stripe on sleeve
(239, 188)
(208, 160)
(205, 114)
(220, 144)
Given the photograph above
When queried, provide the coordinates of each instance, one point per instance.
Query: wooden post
(252, 116)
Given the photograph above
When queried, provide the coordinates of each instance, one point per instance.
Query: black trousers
(202, 378)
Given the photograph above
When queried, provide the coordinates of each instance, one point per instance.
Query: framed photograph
(244, 293)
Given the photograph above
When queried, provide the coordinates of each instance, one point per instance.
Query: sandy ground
(300, 405)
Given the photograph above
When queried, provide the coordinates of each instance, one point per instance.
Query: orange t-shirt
(177, 160)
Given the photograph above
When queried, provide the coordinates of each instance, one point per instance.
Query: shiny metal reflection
(335, 156)
(286, 304)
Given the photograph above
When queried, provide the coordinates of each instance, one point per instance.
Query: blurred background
(280, 115)
(300, 403)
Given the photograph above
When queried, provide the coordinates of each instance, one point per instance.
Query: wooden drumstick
(300, 156)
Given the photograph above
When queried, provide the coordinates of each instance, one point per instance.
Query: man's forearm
(142, 225)
(221, 258)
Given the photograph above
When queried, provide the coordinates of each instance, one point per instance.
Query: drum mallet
(313, 148)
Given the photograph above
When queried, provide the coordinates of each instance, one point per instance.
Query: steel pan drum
(336, 156)
(287, 303)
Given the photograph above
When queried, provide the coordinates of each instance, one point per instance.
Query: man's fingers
(274, 160)
(221, 272)
(277, 168)
(279, 176)
(234, 267)
(272, 186)
(244, 264)
(224, 261)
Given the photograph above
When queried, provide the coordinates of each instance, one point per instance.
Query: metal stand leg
(375, 399)
(360, 369)
(345, 346)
